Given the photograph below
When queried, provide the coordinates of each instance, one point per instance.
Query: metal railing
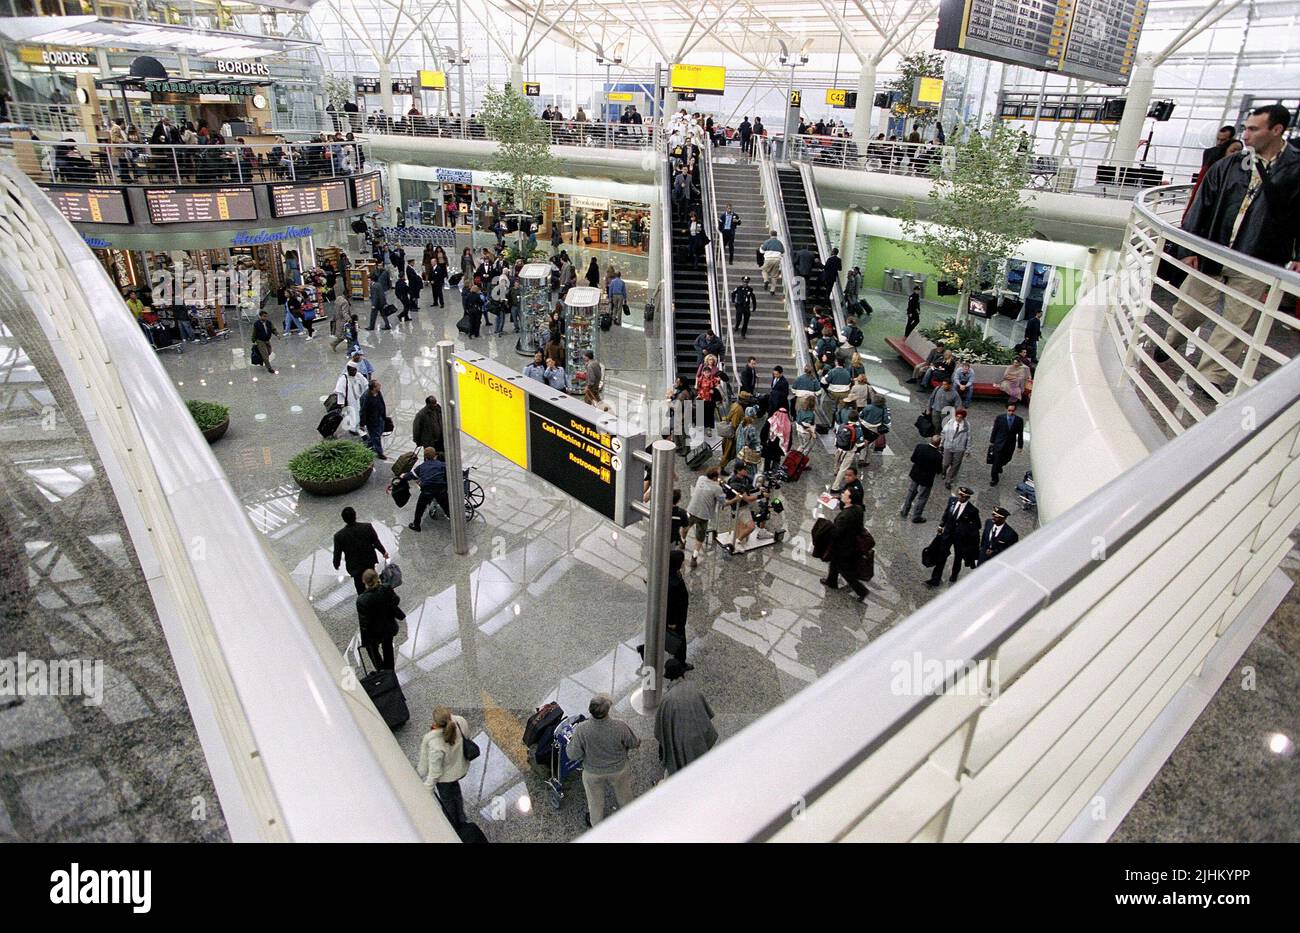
(435, 126)
(1062, 174)
(45, 118)
(1001, 710)
(666, 309)
(776, 216)
(142, 164)
(716, 259)
(287, 754)
(824, 245)
(1233, 310)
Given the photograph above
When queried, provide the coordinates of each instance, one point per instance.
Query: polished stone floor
(128, 768)
(549, 604)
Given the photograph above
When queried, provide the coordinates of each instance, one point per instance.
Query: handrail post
(1263, 327)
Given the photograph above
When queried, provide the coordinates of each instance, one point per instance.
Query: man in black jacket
(263, 331)
(356, 543)
(749, 377)
(1008, 434)
(727, 224)
(959, 533)
(426, 429)
(927, 463)
(997, 536)
(831, 271)
(1216, 152)
(913, 312)
(779, 395)
(743, 300)
(1034, 333)
(1248, 202)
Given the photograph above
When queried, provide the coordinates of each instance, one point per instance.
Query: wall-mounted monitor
(90, 205)
(313, 197)
(200, 205)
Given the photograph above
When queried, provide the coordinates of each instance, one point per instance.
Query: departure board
(366, 189)
(200, 205)
(91, 205)
(1091, 39)
(574, 454)
(312, 198)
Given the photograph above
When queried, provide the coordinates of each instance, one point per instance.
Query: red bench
(913, 359)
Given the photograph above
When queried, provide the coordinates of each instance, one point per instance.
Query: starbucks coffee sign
(234, 66)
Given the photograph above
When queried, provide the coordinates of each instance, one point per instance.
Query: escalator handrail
(776, 212)
(823, 243)
(720, 305)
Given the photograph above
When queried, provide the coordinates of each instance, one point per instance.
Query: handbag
(332, 402)
(759, 253)
(256, 358)
(389, 427)
(925, 426)
(880, 442)
(726, 430)
(469, 747)
(392, 574)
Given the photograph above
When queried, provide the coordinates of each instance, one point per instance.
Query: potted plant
(212, 419)
(332, 468)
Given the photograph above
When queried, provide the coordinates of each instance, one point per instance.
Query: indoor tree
(522, 164)
(978, 213)
(337, 90)
(915, 66)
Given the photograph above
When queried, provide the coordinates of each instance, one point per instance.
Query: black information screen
(1091, 39)
(91, 205)
(366, 190)
(180, 205)
(573, 455)
(312, 198)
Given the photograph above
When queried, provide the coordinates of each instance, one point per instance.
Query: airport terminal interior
(753, 420)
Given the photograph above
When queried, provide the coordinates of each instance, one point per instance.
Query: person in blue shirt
(617, 289)
(537, 368)
(807, 381)
(432, 474)
(554, 376)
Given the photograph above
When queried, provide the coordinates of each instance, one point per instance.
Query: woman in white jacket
(442, 762)
(350, 387)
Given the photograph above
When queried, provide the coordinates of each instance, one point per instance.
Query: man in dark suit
(913, 312)
(1216, 152)
(959, 533)
(727, 224)
(743, 301)
(1008, 435)
(779, 395)
(997, 536)
(831, 271)
(1033, 333)
(927, 463)
(356, 543)
(749, 377)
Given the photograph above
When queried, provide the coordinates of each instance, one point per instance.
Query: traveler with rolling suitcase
(602, 745)
(385, 693)
(445, 753)
(379, 610)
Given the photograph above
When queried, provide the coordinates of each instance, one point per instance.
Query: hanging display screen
(573, 454)
(699, 79)
(366, 189)
(184, 205)
(1091, 39)
(313, 198)
(91, 205)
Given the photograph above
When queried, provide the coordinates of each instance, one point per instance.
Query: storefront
(235, 106)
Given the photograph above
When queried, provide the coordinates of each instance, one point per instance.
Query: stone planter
(336, 487)
(212, 435)
(989, 373)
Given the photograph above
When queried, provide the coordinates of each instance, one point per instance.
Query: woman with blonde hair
(442, 762)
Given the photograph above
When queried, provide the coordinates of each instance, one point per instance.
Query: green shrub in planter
(208, 415)
(332, 467)
(212, 419)
(967, 341)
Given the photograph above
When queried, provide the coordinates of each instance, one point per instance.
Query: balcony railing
(143, 164)
(562, 132)
(1061, 174)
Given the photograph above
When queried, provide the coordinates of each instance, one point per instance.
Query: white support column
(655, 233)
(1140, 84)
(866, 97)
(386, 86)
(849, 237)
(517, 75)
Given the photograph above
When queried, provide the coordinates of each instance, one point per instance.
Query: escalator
(799, 220)
(692, 314)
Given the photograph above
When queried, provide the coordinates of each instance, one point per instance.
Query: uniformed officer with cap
(997, 536)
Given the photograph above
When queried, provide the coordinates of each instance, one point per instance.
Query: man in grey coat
(683, 722)
(602, 745)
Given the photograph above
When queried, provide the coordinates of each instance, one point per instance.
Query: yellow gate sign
(837, 97)
(493, 411)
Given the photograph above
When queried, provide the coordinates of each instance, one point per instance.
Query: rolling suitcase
(385, 692)
(540, 725)
(696, 457)
(329, 423)
(794, 465)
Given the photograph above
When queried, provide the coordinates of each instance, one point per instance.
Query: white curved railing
(296, 750)
(1055, 676)
(1142, 321)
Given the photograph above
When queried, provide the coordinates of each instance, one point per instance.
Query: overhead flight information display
(312, 198)
(1091, 39)
(366, 189)
(91, 205)
(574, 455)
(182, 205)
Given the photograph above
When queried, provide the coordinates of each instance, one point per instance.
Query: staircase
(800, 222)
(691, 312)
(738, 184)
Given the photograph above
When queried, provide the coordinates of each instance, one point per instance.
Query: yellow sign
(930, 91)
(433, 80)
(702, 79)
(796, 98)
(532, 89)
(493, 412)
(619, 97)
(837, 97)
(73, 58)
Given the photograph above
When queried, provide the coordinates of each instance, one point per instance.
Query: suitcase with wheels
(698, 456)
(330, 422)
(384, 691)
(541, 724)
(606, 321)
(794, 465)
